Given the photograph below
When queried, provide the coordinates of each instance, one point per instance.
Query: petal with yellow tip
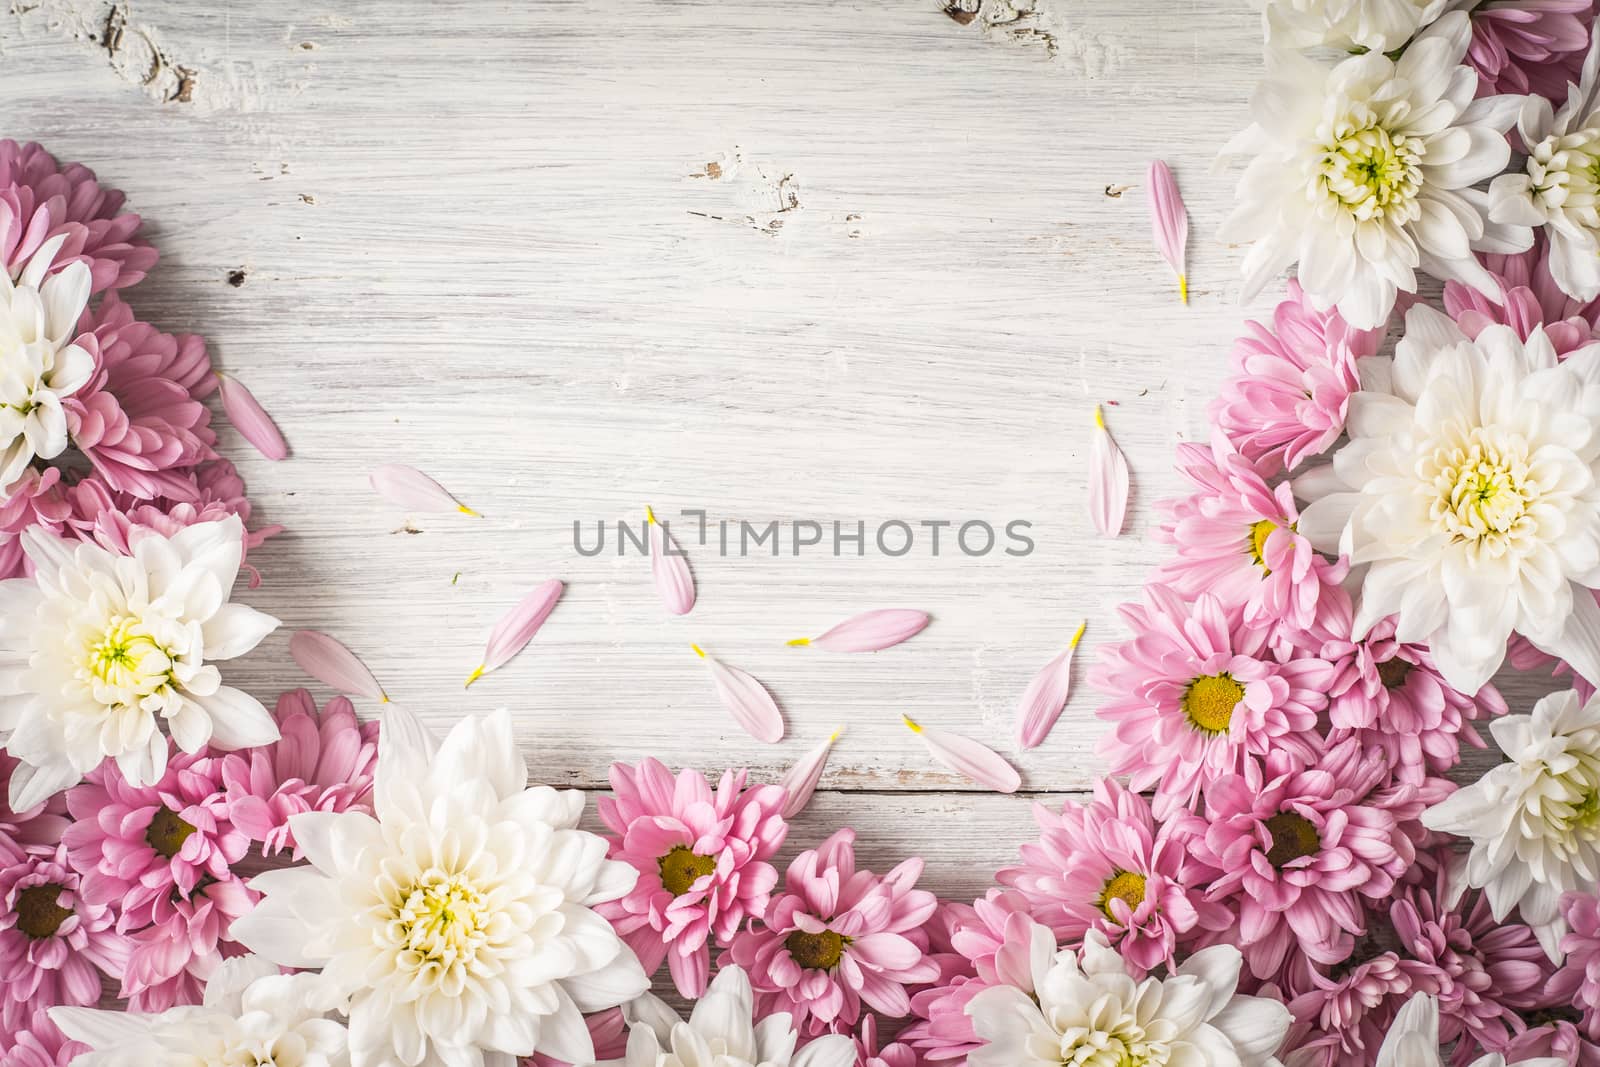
(409, 488)
(1046, 696)
(669, 568)
(746, 699)
(968, 758)
(800, 781)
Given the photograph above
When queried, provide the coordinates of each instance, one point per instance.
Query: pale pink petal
(411, 489)
(1108, 480)
(968, 758)
(669, 568)
(251, 419)
(517, 627)
(869, 631)
(800, 781)
(746, 699)
(1045, 696)
(1170, 222)
(334, 665)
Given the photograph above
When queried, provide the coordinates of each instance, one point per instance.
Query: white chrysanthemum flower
(1559, 187)
(97, 651)
(1534, 821)
(1413, 1041)
(721, 1031)
(39, 364)
(1085, 1008)
(458, 922)
(252, 1017)
(1352, 25)
(1363, 173)
(1470, 491)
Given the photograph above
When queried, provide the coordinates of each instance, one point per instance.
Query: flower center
(1125, 886)
(1481, 490)
(1370, 172)
(816, 952)
(1209, 701)
(1293, 837)
(167, 832)
(38, 914)
(1394, 672)
(682, 867)
(1259, 532)
(126, 658)
(440, 922)
(1566, 173)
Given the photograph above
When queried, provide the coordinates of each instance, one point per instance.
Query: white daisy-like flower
(1534, 821)
(98, 651)
(1362, 173)
(458, 921)
(1470, 492)
(1413, 1041)
(1085, 1008)
(1352, 25)
(252, 1016)
(39, 364)
(721, 1032)
(1558, 188)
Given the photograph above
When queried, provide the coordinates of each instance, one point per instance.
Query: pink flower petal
(517, 627)
(410, 488)
(800, 781)
(1108, 480)
(746, 699)
(968, 758)
(1046, 696)
(334, 665)
(251, 419)
(869, 631)
(669, 567)
(1170, 222)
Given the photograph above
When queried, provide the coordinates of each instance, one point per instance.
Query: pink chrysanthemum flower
(39, 1044)
(171, 960)
(1301, 850)
(40, 199)
(702, 862)
(1196, 689)
(1236, 539)
(1529, 46)
(1559, 1040)
(1341, 1020)
(322, 762)
(36, 830)
(54, 943)
(993, 936)
(1106, 866)
(1531, 298)
(869, 1053)
(1578, 981)
(1291, 383)
(836, 938)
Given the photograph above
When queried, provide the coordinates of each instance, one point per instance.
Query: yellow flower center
(1293, 837)
(1209, 701)
(816, 952)
(440, 921)
(38, 914)
(1369, 171)
(1481, 489)
(126, 658)
(167, 832)
(682, 867)
(1259, 532)
(1125, 886)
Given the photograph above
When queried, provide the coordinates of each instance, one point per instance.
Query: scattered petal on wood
(968, 758)
(869, 631)
(334, 665)
(517, 627)
(800, 781)
(670, 569)
(251, 419)
(411, 489)
(1045, 696)
(1108, 480)
(1169, 220)
(746, 699)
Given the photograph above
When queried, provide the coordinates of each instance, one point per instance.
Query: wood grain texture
(835, 260)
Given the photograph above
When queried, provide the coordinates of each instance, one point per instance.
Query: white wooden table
(833, 260)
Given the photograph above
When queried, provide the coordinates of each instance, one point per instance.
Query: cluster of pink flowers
(131, 891)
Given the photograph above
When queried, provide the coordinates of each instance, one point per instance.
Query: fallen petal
(968, 758)
(669, 567)
(334, 665)
(1046, 696)
(517, 627)
(870, 631)
(800, 781)
(1169, 220)
(410, 488)
(1108, 480)
(746, 699)
(251, 419)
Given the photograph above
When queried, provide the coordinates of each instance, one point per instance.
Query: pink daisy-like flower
(39, 1044)
(37, 830)
(54, 943)
(1236, 539)
(1195, 690)
(1531, 298)
(1578, 981)
(322, 762)
(870, 1053)
(40, 199)
(1560, 1040)
(1291, 383)
(1302, 850)
(1107, 866)
(1529, 46)
(836, 938)
(993, 935)
(1342, 1019)
(702, 862)
(171, 960)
